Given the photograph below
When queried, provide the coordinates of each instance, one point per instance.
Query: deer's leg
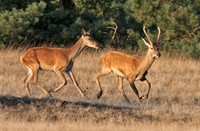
(148, 89)
(134, 89)
(103, 72)
(35, 76)
(120, 87)
(28, 78)
(71, 75)
(62, 77)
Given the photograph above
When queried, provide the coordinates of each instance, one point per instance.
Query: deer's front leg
(71, 75)
(148, 89)
(120, 87)
(135, 89)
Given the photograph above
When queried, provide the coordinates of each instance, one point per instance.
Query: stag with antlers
(130, 67)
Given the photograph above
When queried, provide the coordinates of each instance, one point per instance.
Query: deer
(129, 67)
(59, 60)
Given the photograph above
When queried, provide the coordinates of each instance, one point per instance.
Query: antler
(158, 37)
(115, 31)
(150, 42)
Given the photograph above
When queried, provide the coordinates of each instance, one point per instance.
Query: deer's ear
(147, 44)
(89, 31)
(83, 32)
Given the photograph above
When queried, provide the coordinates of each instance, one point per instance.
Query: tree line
(116, 23)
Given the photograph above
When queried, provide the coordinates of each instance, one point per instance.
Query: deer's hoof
(144, 97)
(99, 95)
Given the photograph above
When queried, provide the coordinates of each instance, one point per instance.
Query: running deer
(58, 60)
(130, 67)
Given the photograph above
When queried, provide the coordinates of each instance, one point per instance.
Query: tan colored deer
(55, 59)
(130, 67)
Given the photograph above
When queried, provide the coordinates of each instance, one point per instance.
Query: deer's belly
(118, 72)
(47, 67)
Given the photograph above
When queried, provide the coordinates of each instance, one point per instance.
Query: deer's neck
(146, 62)
(76, 49)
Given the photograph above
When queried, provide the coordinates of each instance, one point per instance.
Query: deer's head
(88, 40)
(153, 47)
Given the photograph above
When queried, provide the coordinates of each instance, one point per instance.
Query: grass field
(173, 104)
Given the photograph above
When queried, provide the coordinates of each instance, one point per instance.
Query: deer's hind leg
(35, 78)
(28, 78)
(32, 75)
(104, 71)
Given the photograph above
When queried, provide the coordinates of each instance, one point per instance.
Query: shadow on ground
(50, 109)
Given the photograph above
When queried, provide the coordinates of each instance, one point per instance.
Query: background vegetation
(36, 22)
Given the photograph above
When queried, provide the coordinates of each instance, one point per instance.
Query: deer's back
(119, 61)
(46, 58)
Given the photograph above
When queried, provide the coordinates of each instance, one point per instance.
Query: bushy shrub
(51, 21)
(36, 23)
(17, 25)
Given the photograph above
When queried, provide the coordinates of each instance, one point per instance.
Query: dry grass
(173, 104)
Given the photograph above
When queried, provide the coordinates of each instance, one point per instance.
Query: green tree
(36, 23)
(60, 21)
(179, 21)
(99, 15)
(17, 25)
